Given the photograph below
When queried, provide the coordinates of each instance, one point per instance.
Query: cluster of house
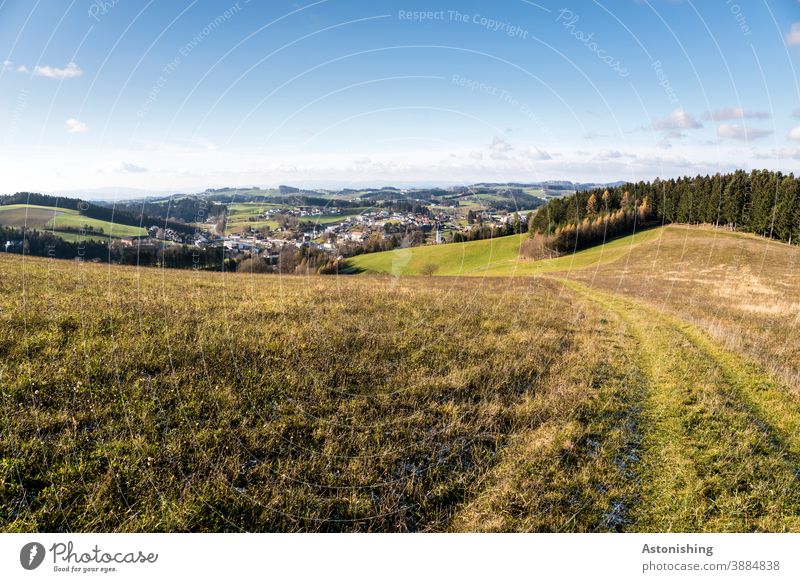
(302, 211)
(382, 223)
(329, 238)
(157, 236)
(257, 244)
(356, 229)
(158, 233)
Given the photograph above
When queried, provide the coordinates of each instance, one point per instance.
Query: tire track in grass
(717, 454)
(569, 465)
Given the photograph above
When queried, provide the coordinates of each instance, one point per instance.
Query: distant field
(48, 218)
(78, 237)
(240, 210)
(239, 215)
(30, 215)
(491, 257)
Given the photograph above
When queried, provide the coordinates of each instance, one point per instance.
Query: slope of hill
(62, 219)
(653, 389)
(740, 288)
(490, 257)
(343, 403)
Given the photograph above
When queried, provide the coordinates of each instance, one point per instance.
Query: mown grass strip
(568, 465)
(763, 393)
(709, 463)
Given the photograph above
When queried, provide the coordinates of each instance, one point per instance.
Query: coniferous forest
(761, 202)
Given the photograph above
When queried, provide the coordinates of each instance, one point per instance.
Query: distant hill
(129, 216)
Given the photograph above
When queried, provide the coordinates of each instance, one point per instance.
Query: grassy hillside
(492, 257)
(741, 288)
(49, 218)
(652, 389)
(151, 400)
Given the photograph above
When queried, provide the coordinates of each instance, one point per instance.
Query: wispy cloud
(70, 71)
(734, 113)
(534, 153)
(793, 36)
(741, 132)
(75, 126)
(780, 153)
(500, 144)
(121, 167)
(613, 155)
(678, 119)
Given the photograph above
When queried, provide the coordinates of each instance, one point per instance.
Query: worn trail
(719, 446)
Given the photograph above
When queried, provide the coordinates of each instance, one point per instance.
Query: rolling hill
(650, 385)
(62, 219)
(490, 257)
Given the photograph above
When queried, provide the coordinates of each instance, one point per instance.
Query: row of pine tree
(763, 202)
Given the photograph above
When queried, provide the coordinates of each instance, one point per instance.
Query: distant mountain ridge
(117, 194)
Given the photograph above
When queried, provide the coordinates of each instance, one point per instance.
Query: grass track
(718, 452)
(569, 464)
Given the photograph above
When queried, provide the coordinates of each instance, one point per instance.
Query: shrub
(428, 269)
(253, 265)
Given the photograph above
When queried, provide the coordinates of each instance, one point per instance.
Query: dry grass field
(147, 400)
(742, 289)
(653, 392)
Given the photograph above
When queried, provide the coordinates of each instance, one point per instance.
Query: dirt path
(720, 445)
(569, 465)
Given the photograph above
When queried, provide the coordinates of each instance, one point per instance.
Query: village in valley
(284, 229)
(265, 223)
(370, 230)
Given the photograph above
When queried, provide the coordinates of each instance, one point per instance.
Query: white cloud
(727, 130)
(794, 134)
(500, 144)
(609, 154)
(121, 167)
(476, 155)
(793, 36)
(75, 126)
(535, 153)
(180, 169)
(70, 71)
(678, 119)
(783, 153)
(734, 113)
(22, 69)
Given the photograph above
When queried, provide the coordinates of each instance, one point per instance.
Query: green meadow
(55, 219)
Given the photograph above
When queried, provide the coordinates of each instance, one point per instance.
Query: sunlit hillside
(645, 385)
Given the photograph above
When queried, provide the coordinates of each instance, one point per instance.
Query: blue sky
(187, 95)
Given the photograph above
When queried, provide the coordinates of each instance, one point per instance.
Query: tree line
(762, 202)
(121, 215)
(46, 244)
